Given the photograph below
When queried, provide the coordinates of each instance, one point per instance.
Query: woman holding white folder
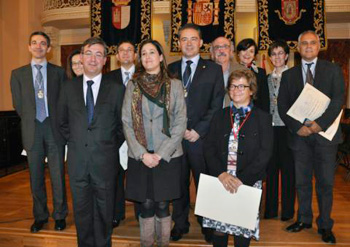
(237, 150)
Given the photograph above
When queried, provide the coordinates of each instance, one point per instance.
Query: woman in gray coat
(154, 122)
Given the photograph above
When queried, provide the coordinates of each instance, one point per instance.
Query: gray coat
(166, 147)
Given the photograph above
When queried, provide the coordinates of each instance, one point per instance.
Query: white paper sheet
(310, 104)
(330, 132)
(123, 155)
(215, 202)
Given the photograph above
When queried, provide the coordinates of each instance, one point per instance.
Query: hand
(314, 127)
(150, 160)
(230, 183)
(191, 135)
(304, 131)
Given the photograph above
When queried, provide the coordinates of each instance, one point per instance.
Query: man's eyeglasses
(89, 54)
(217, 47)
(281, 53)
(125, 51)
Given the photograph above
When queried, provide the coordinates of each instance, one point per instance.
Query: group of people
(216, 117)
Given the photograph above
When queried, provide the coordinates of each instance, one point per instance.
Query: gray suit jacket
(23, 97)
(166, 147)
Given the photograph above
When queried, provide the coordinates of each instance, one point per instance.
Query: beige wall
(18, 19)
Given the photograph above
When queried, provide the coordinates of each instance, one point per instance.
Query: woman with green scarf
(154, 122)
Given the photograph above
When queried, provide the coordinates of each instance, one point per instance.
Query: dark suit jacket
(329, 80)
(116, 75)
(263, 96)
(255, 145)
(205, 95)
(92, 148)
(23, 97)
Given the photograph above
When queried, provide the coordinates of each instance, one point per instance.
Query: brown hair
(246, 74)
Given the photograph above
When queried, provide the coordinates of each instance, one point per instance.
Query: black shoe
(327, 236)
(176, 234)
(269, 216)
(37, 225)
(60, 225)
(286, 218)
(208, 234)
(116, 223)
(298, 226)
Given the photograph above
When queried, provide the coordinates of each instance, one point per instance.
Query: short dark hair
(48, 41)
(246, 74)
(126, 42)
(245, 44)
(69, 68)
(93, 41)
(191, 26)
(278, 43)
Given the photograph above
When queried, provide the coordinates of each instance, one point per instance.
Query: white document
(215, 202)
(330, 132)
(123, 155)
(310, 104)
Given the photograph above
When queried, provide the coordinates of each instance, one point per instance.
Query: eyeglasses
(126, 50)
(89, 54)
(76, 64)
(217, 47)
(240, 87)
(281, 53)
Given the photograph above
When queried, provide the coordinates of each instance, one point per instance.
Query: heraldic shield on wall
(117, 20)
(286, 19)
(214, 17)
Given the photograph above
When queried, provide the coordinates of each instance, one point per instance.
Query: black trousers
(93, 204)
(119, 206)
(193, 159)
(46, 146)
(314, 158)
(281, 162)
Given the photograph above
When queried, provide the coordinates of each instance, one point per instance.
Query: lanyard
(240, 126)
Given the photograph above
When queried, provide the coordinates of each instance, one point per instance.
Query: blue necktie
(127, 77)
(186, 78)
(90, 101)
(39, 95)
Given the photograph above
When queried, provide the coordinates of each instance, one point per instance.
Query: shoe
(286, 218)
(37, 225)
(176, 234)
(116, 223)
(269, 217)
(60, 225)
(298, 226)
(327, 236)
(208, 234)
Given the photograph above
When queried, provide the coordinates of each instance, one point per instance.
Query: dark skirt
(161, 183)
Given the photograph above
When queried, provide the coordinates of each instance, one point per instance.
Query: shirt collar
(96, 79)
(303, 62)
(131, 70)
(274, 74)
(43, 63)
(194, 60)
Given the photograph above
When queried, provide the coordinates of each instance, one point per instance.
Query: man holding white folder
(312, 152)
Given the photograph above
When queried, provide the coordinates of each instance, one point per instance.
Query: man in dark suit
(204, 91)
(126, 56)
(35, 88)
(312, 152)
(90, 120)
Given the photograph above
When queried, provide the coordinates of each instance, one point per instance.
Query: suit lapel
(179, 70)
(50, 86)
(318, 73)
(102, 92)
(300, 81)
(200, 67)
(28, 80)
(80, 92)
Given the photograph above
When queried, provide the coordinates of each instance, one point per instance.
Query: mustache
(221, 54)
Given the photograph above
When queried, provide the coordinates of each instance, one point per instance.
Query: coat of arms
(203, 12)
(120, 13)
(290, 11)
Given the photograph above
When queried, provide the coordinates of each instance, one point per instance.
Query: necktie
(309, 78)
(186, 78)
(39, 95)
(127, 77)
(90, 101)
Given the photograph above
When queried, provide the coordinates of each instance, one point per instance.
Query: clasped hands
(230, 183)
(151, 160)
(309, 127)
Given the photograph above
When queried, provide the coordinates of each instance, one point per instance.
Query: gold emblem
(203, 12)
(290, 11)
